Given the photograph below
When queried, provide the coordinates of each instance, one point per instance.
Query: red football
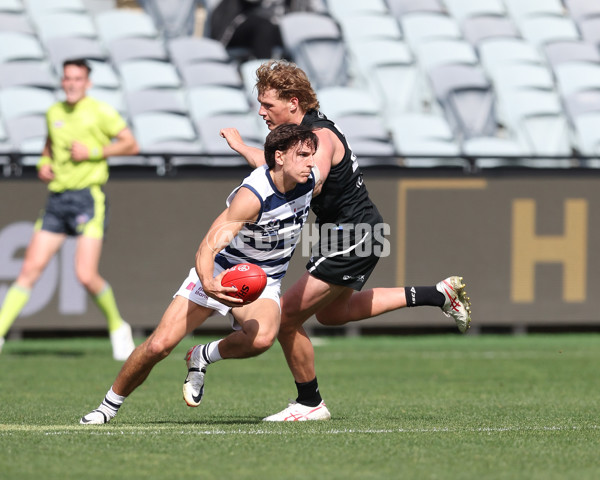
(249, 279)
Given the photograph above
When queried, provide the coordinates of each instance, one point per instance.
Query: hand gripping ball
(249, 279)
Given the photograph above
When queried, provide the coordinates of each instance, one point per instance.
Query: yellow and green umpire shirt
(91, 122)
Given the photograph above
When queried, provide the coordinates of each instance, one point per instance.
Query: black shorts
(75, 212)
(346, 254)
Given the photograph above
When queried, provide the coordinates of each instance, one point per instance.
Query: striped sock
(210, 352)
(111, 404)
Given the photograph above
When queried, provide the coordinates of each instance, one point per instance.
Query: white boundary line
(8, 430)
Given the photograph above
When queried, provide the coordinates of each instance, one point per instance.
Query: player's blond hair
(289, 81)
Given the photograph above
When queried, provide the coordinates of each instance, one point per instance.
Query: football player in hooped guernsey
(348, 247)
(261, 225)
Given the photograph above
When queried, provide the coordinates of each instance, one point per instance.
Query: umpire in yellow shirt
(81, 131)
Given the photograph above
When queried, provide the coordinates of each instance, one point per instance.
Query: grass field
(440, 407)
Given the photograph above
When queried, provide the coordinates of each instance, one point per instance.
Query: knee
(86, 278)
(157, 348)
(263, 342)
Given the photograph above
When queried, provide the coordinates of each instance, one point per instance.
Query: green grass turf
(439, 407)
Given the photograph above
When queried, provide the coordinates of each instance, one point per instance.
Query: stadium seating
(401, 7)
(65, 24)
(482, 28)
(208, 100)
(146, 74)
(27, 73)
(187, 50)
(15, 22)
(19, 46)
(315, 42)
(133, 48)
(61, 49)
(122, 23)
(498, 74)
(155, 100)
(463, 9)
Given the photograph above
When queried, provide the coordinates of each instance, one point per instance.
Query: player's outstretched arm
(244, 208)
(254, 156)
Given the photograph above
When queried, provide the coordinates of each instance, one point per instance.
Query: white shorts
(191, 288)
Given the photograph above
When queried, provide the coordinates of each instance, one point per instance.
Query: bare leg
(180, 318)
(361, 305)
(42, 247)
(87, 259)
(260, 324)
(299, 303)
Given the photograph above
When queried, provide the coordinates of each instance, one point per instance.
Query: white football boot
(95, 417)
(296, 412)
(193, 386)
(457, 304)
(122, 342)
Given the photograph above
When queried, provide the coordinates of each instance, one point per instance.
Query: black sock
(418, 296)
(308, 393)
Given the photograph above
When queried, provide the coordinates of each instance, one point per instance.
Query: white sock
(111, 403)
(210, 352)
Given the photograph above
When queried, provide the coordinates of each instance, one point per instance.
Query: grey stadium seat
(539, 30)
(27, 73)
(155, 100)
(187, 50)
(211, 73)
(467, 99)
(37, 8)
(122, 23)
(463, 9)
(419, 27)
(521, 9)
(61, 49)
(389, 70)
(342, 8)
(571, 51)
(316, 44)
(573, 77)
(582, 9)
(165, 132)
(57, 25)
(213, 143)
(128, 49)
(208, 100)
(27, 133)
(146, 74)
(581, 102)
(478, 29)
(103, 75)
(25, 101)
(402, 7)
(496, 53)
(20, 46)
(15, 22)
(590, 30)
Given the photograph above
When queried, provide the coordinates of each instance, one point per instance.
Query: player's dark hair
(78, 62)
(289, 81)
(285, 137)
